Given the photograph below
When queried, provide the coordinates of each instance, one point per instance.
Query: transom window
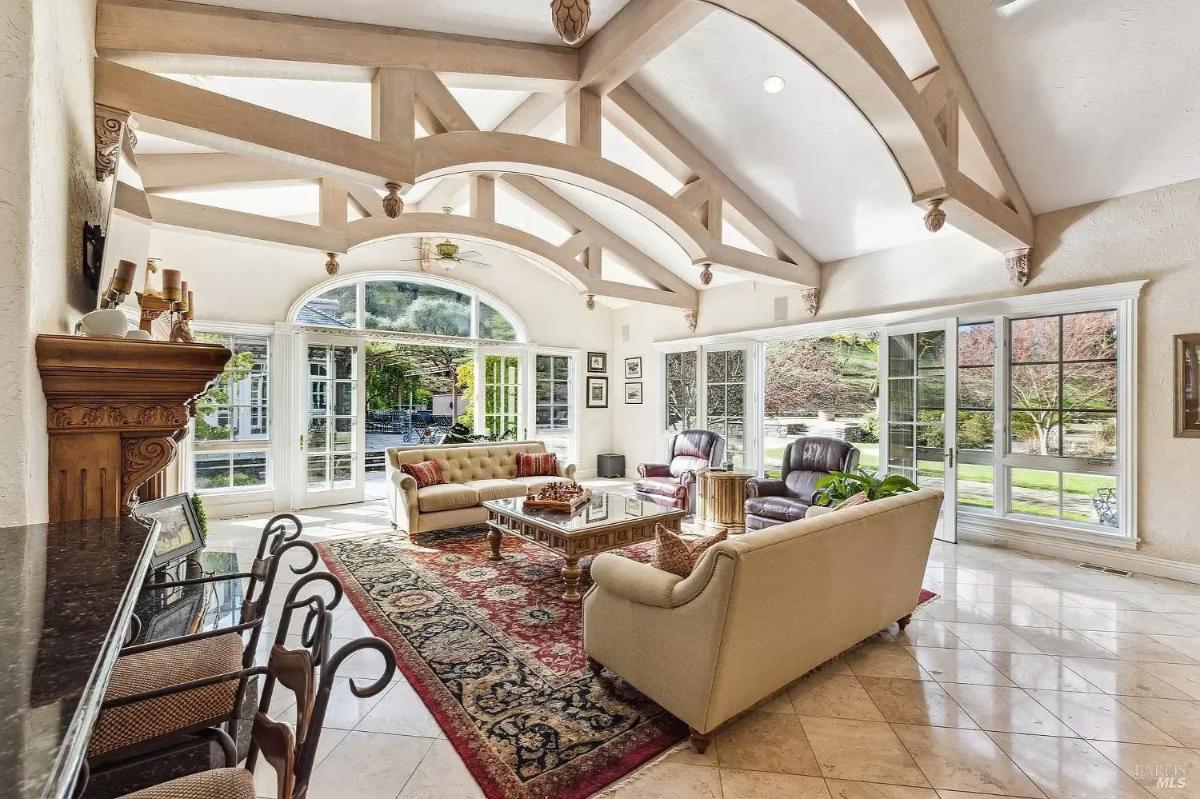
(419, 305)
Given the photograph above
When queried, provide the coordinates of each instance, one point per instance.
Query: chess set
(564, 496)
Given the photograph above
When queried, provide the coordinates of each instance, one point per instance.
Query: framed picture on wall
(597, 362)
(633, 368)
(1187, 386)
(597, 392)
(633, 393)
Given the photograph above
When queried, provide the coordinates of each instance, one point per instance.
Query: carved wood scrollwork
(76, 416)
(141, 459)
(110, 125)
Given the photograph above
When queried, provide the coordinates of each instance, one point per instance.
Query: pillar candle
(191, 307)
(171, 284)
(123, 278)
(185, 298)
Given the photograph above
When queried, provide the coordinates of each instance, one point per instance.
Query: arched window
(417, 304)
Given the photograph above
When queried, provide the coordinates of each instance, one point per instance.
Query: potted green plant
(837, 487)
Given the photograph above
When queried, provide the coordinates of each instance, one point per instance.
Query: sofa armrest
(764, 487)
(633, 580)
(654, 470)
(403, 498)
(566, 471)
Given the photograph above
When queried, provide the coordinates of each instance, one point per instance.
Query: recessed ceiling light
(774, 84)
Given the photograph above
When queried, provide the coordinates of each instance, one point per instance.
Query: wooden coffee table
(608, 521)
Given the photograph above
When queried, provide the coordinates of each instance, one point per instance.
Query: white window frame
(573, 432)
(752, 424)
(222, 497)
(1121, 297)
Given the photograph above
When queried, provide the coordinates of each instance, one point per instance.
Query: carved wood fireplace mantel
(115, 410)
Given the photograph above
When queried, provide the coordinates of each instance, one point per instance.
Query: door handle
(301, 442)
(950, 458)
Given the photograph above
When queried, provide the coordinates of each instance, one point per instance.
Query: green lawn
(1086, 484)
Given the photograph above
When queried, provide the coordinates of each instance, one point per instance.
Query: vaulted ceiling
(1087, 99)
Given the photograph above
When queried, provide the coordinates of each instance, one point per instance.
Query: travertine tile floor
(1027, 677)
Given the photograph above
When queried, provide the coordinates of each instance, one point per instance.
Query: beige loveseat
(759, 610)
(474, 473)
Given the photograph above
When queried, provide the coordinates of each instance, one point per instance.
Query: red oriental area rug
(497, 657)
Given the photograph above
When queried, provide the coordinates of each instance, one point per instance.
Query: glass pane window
(1062, 416)
(917, 407)
(725, 398)
(976, 417)
(1063, 386)
(501, 396)
(552, 392)
(495, 325)
(223, 471)
(332, 416)
(830, 386)
(680, 387)
(337, 307)
(236, 408)
(409, 307)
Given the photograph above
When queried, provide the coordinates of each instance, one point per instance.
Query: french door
(332, 430)
(918, 366)
(500, 409)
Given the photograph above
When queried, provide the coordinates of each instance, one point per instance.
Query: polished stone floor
(1027, 677)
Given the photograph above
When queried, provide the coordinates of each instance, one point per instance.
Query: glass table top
(602, 510)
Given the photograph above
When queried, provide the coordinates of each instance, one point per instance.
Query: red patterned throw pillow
(537, 464)
(677, 555)
(426, 473)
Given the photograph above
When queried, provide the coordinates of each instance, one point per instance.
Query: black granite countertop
(66, 593)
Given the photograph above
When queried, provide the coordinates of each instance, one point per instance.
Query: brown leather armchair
(673, 484)
(805, 461)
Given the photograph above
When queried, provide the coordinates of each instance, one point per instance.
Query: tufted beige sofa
(474, 473)
(760, 609)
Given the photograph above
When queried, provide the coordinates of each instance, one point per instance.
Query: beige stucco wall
(1153, 235)
(47, 189)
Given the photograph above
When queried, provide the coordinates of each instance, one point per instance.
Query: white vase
(105, 323)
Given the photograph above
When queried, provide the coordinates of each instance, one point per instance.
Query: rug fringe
(638, 772)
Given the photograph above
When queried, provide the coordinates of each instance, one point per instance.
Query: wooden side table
(722, 500)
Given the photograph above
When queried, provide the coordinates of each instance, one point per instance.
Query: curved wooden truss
(918, 120)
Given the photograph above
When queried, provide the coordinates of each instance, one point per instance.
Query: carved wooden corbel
(692, 317)
(1016, 263)
(141, 459)
(110, 126)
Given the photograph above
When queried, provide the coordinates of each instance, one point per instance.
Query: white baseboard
(1132, 561)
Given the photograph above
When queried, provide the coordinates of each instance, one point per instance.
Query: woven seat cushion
(127, 725)
(221, 783)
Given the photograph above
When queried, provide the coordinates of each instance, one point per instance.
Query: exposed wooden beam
(132, 200)
(713, 215)
(450, 115)
(584, 121)
(370, 202)
(180, 213)
(694, 194)
(640, 30)
(483, 197)
(599, 235)
(393, 105)
(334, 213)
(575, 245)
(207, 118)
(651, 131)
(170, 171)
(157, 32)
(957, 86)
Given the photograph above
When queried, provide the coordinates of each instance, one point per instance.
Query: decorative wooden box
(115, 409)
